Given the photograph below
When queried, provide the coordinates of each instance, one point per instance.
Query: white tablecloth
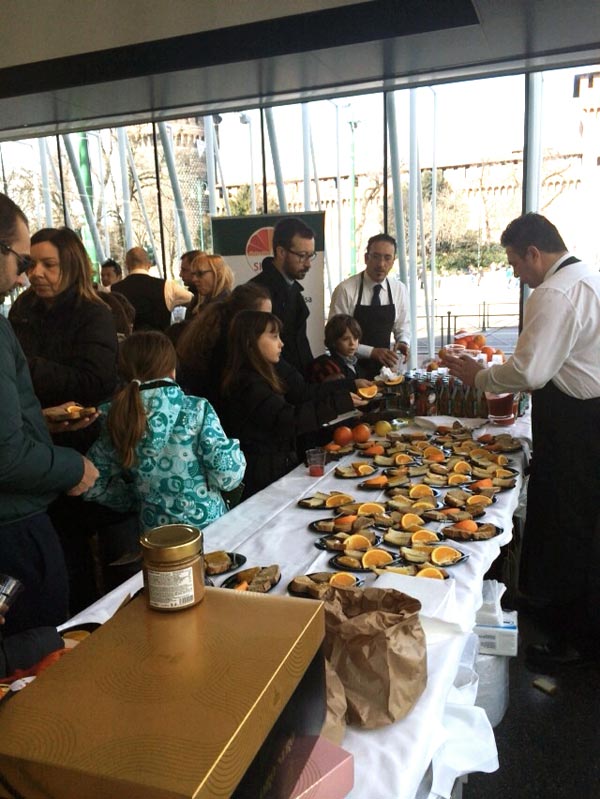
(444, 730)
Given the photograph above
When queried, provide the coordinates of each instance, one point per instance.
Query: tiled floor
(548, 746)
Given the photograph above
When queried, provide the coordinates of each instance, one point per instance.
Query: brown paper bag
(375, 644)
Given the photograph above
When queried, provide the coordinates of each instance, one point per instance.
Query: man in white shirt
(152, 297)
(379, 304)
(557, 357)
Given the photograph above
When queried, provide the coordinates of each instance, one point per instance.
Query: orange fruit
(444, 555)
(361, 433)
(338, 499)
(331, 447)
(432, 572)
(377, 482)
(370, 509)
(427, 503)
(402, 458)
(357, 541)
(489, 351)
(382, 428)
(479, 452)
(456, 478)
(376, 557)
(342, 436)
(462, 467)
(375, 449)
(501, 460)
(479, 499)
(485, 483)
(479, 341)
(410, 520)
(503, 473)
(467, 524)
(368, 393)
(420, 490)
(434, 454)
(422, 536)
(395, 381)
(344, 579)
(362, 468)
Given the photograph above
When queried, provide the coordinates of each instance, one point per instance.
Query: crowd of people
(194, 416)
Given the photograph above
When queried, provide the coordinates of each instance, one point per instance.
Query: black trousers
(31, 552)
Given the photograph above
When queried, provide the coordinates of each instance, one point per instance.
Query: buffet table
(445, 735)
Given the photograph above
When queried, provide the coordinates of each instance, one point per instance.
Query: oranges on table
(376, 557)
(342, 436)
(360, 433)
(445, 556)
(357, 541)
(338, 499)
(431, 572)
(342, 579)
(370, 509)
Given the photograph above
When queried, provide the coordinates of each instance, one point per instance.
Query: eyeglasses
(202, 272)
(375, 256)
(24, 262)
(302, 256)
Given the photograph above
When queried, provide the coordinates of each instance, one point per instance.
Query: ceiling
(336, 50)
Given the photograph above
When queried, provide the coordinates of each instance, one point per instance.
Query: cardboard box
(499, 640)
(160, 705)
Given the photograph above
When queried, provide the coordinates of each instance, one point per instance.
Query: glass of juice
(500, 408)
(315, 460)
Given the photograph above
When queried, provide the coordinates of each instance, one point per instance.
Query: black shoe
(548, 657)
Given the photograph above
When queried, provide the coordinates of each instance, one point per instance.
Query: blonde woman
(212, 278)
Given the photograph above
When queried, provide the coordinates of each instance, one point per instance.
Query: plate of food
(333, 499)
(69, 413)
(469, 530)
(221, 562)
(349, 543)
(364, 562)
(361, 469)
(377, 483)
(256, 579)
(318, 583)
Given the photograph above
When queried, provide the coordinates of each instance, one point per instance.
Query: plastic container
(173, 567)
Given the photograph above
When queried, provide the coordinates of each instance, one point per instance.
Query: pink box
(328, 773)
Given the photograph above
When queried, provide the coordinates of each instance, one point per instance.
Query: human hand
(357, 401)
(462, 366)
(385, 356)
(362, 382)
(403, 348)
(55, 426)
(90, 475)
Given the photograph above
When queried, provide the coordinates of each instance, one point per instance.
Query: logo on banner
(259, 246)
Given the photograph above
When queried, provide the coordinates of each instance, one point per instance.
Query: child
(342, 337)
(160, 449)
(255, 408)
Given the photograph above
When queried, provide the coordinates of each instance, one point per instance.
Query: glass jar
(173, 567)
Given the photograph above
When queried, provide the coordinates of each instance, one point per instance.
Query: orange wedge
(362, 468)
(431, 571)
(503, 473)
(467, 524)
(370, 509)
(376, 557)
(461, 467)
(433, 454)
(420, 490)
(442, 556)
(479, 499)
(401, 458)
(501, 460)
(338, 499)
(375, 449)
(368, 393)
(423, 536)
(427, 503)
(377, 482)
(357, 541)
(485, 483)
(410, 520)
(344, 579)
(395, 381)
(455, 478)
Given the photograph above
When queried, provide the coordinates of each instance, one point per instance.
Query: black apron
(560, 561)
(377, 323)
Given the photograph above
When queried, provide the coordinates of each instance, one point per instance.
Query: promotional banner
(244, 241)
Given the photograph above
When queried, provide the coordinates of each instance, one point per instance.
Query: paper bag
(375, 645)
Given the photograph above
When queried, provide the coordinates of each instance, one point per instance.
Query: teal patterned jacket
(183, 462)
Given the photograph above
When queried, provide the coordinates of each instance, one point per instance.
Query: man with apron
(379, 305)
(557, 358)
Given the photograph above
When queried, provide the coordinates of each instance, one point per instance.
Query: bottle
(443, 403)
(458, 402)
(173, 567)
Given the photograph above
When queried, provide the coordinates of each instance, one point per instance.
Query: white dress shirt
(560, 337)
(174, 294)
(345, 297)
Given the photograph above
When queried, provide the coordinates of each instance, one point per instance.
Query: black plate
(366, 487)
(359, 583)
(232, 581)
(436, 491)
(237, 560)
(314, 529)
(354, 476)
(499, 530)
(333, 562)
(320, 543)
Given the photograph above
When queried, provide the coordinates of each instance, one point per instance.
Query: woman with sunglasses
(212, 279)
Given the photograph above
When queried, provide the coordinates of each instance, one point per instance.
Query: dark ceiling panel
(375, 20)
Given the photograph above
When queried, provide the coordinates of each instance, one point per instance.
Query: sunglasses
(24, 262)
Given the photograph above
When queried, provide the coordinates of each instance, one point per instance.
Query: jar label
(170, 589)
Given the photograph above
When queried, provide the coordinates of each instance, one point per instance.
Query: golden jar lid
(171, 542)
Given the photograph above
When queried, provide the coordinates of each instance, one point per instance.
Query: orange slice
(377, 482)
(401, 458)
(357, 541)
(420, 490)
(370, 509)
(467, 524)
(462, 467)
(376, 557)
(424, 504)
(503, 473)
(395, 381)
(455, 478)
(485, 483)
(375, 449)
(410, 520)
(344, 579)
(432, 572)
(362, 468)
(434, 454)
(442, 556)
(368, 393)
(338, 499)
(422, 536)
(501, 460)
(479, 499)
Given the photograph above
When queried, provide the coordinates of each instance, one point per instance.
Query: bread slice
(265, 579)
(217, 562)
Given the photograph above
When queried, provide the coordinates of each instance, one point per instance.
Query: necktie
(376, 299)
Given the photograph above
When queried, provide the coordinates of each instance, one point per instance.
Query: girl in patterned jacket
(161, 451)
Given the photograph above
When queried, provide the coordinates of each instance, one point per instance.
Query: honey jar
(173, 567)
